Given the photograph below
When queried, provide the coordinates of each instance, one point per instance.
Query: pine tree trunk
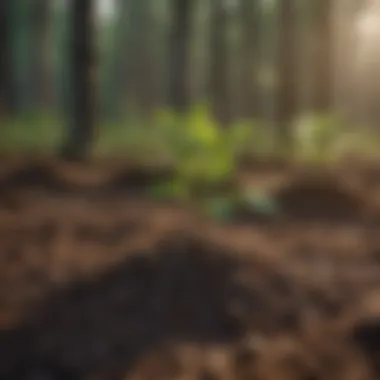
(81, 125)
(143, 63)
(286, 106)
(249, 59)
(117, 86)
(219, 64)
(6, 73)
(178, 86)
(323, 58)
(41, 70)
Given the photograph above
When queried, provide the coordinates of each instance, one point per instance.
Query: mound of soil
(57, 177)
(32, 174)
(181, 290)
(264, 165)
(137, 179)
(320, 197)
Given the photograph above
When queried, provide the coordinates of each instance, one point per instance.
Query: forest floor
(100, 281)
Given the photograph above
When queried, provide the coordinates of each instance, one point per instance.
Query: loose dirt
(97, 281)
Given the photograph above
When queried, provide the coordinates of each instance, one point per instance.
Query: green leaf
(202, 127)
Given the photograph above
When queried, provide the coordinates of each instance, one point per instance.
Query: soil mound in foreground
(188, 305)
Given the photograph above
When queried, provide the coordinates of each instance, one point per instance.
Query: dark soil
(322, 197)
(99, 282)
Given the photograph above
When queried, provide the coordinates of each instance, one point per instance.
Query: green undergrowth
(223, 207)
(31, 132)
(203, 154)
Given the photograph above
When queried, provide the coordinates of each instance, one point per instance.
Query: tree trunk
(365, 84)
(6, 73)
(286, 105)
(219, 65)
(41, 63)
(346, 92)
(81, 125)
(178, 91)
(142, 58)
(117, 71)
(323, 59)
(248, 93)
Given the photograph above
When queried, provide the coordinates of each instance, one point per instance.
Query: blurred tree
(116, 77)
(41, 78)
(60, 57)
(344, 21)
(179, 49)
(366, 67)
(142, 68)
(219, 73)
(6, 73)
(161, 49)
(21, 48)
(199, 52)
(249, 57)
(130, 75)
(322, 97)
(81, 123)
(286, 103)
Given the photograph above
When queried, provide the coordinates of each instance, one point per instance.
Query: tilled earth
(97, 281)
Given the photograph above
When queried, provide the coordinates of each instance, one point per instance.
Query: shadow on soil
(181, 293)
